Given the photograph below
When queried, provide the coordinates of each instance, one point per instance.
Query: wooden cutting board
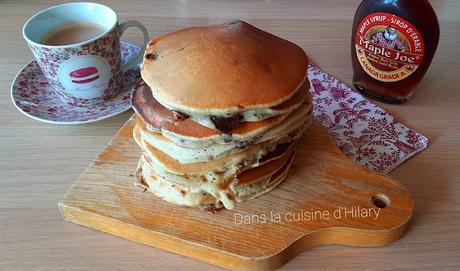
(326, 199)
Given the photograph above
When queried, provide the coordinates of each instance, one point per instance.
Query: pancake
(251, 190)
(187, 133)
(215, 180)
(223, 69)
(217, 151)
(160, 117)
(230, 164)
(267, 164)
(227, 123)
(171, 192)
(219, 110)
(289, 130)
(248, 185)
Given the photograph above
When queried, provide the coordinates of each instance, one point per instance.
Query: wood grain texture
(39, 162)
(326, 199)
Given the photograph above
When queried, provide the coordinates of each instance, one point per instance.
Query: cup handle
(122, 27)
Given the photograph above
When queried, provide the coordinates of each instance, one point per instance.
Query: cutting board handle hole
(381, 201)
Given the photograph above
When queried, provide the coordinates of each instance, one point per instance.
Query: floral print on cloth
(363, 131)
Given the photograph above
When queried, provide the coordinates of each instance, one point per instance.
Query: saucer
(33, 96)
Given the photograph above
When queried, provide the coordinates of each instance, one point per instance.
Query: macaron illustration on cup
(88, 82)
(82, 60)
(78, 76)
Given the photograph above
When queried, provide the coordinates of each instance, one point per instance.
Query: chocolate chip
(213, 208)
(179, 115)
(151, 56)
(243, 145)
(228, 138)
(226, 124)
(267, 67)
(279, 149)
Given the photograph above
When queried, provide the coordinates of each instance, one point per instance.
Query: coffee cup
(77, 46)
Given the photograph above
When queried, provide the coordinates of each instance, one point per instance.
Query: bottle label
(388, 47)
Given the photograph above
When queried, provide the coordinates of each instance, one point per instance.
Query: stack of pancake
(219, 109)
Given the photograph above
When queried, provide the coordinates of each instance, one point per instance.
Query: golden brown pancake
(223, 69)
(289, 130)
(152, 116)
(159, 117)
(251, 190)
(267, 169)
(250, 184)
(230, 162)
(219, 109)
(272, 162)
(172, 192)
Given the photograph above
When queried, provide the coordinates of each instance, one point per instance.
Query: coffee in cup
(72, 33)
(77, 46)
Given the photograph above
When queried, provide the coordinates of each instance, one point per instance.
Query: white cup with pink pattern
(88, 72)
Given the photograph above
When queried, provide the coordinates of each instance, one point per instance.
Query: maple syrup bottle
(392, 44)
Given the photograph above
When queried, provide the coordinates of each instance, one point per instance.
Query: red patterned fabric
(363, 131)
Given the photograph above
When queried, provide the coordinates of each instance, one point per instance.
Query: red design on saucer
(34, 96)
